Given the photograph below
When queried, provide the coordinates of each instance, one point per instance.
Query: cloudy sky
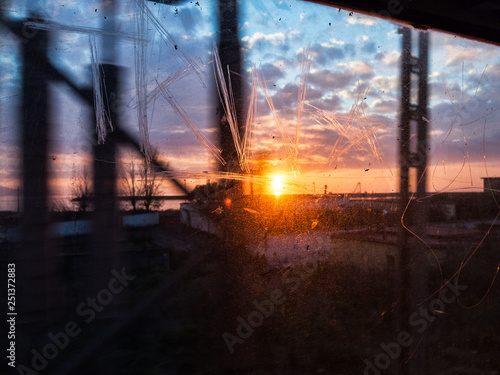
(348, 131)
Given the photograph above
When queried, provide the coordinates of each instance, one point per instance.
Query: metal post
(411, 274)
(233, 249)
(105, 251)
(404, 126)
(36, 268)
(419, 362)
(230, 55)
(423, 47)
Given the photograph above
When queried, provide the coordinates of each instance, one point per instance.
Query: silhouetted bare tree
(150, 184)
(130, 183)
(81, 190)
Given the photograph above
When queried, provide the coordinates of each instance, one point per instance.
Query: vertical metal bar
(404, 275)
(233, 246)
(422, 131)
(404, 126)
(105, 251)
(412, 274)
(34, 142)
(37, 283)
(419, 267)
(230, 55)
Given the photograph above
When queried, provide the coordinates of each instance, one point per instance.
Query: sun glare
(277, 185)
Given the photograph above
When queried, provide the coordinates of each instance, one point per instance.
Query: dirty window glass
(245, 187)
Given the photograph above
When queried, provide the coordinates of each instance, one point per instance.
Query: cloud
(327, 79)
(356, 19)
(286, 97)
(275, 39)
(368, 47)
(385, 84)
(330, 103)
(386, 105)
(312, 94)
(457, 54)
(189, 18)
(361, 62)
(323, 55)
(333, 42)
(389, 59)
(361, 68)
(360, 87)
(272, 72)
(470, 117)
(490, 75)
(349, 49)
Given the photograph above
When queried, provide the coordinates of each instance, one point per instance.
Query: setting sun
(277, 185)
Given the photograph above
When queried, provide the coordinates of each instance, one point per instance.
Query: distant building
(490, 183)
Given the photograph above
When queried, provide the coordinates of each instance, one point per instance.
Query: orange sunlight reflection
(277, 185)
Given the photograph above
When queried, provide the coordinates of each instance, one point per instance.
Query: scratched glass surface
(171, 212)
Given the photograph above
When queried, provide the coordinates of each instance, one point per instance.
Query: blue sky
(354, 61)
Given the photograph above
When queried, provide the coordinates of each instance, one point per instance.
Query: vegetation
(130, 185)
(81, 190)
(150, 184)
(140, 183)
